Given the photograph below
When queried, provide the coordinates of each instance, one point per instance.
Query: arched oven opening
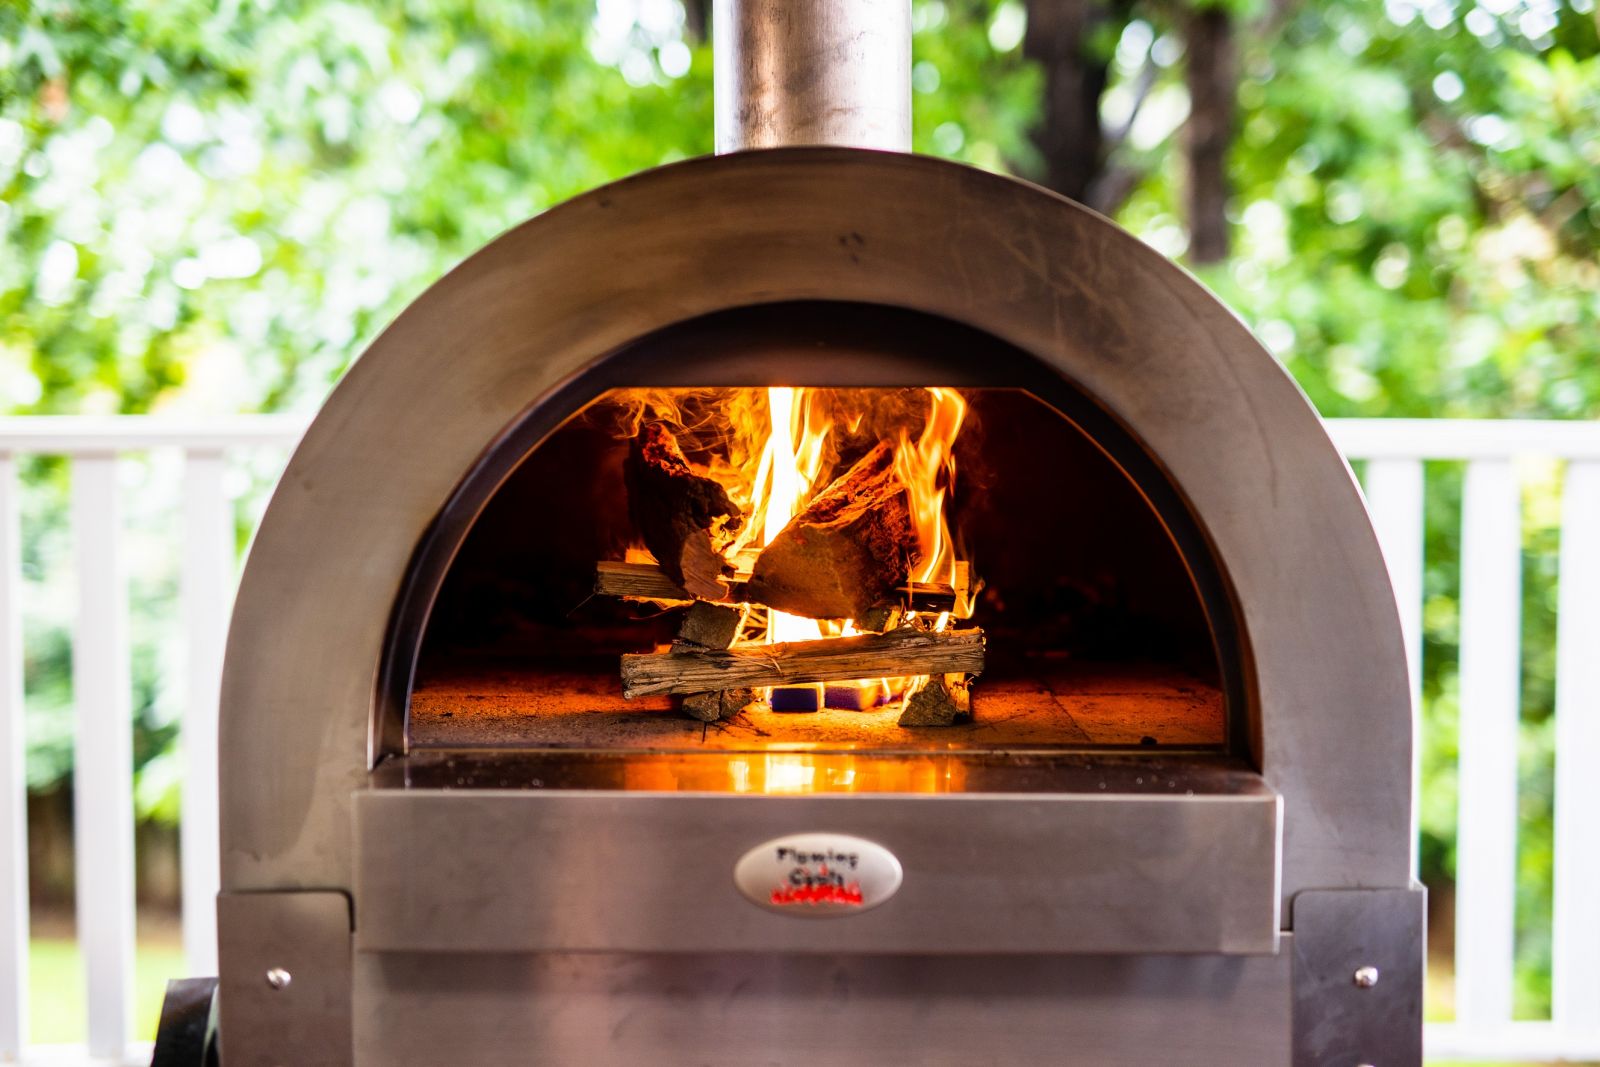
(1029, 519)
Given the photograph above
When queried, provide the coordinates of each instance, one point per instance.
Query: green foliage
(220, 204)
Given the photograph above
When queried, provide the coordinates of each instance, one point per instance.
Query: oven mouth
(438, 694)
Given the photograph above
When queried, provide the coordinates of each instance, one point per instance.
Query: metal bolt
(1366, 977)
(278, 978)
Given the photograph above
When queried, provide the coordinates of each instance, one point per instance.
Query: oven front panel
(417, 1009)
(493, 871)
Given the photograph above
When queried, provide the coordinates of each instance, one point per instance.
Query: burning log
(721, 704)
(683, 517)
(846, 551)
(945, 700)
(709, 626)
(880, 619)
(647, 581)
(640, 581)
(900, 652)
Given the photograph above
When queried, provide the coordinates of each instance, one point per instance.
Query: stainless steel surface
(1329, 707)
(296, 1024)
(278, 978)
(499, 871)
(818, 876)
(820, 72)
(1179, 773)
(1338, 933)
(1366, 977)
(738, 1010)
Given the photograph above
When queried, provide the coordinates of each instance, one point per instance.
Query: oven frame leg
(1358, 976)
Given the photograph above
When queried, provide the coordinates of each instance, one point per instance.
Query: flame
(773, 450)
(928, 469)
(789, 467)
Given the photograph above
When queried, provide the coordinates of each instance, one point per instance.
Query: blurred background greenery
(212, 207)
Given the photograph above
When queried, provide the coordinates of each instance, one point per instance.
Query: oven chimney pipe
(810, 72)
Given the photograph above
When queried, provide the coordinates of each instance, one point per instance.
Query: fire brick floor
(1073, 704)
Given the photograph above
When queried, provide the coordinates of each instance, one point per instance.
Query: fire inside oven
(690, 569)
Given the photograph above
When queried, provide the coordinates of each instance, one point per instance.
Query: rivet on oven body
(1365, 977)
(278, 978)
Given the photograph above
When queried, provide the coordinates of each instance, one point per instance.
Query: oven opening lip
(1177, 774)
(755, 345)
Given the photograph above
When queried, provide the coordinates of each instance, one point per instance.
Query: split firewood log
(944, 701)
(708, 626)
(647, 581)
(900, 652)
(721, 704)
(685, 518)
(846, 551)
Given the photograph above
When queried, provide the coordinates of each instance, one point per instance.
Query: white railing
(103, 815)
(1394, 452)
(1490, 707)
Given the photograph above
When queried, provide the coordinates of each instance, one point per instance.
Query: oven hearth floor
(1073, 704)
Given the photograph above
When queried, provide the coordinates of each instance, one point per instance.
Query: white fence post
(13, 776)
(207, 581)
(1394, 490)
(103, 768)
(1486, 828)
(1575, 925)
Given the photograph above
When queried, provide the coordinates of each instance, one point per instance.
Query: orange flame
(770, 449)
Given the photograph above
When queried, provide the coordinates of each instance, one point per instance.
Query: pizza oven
(817, 603)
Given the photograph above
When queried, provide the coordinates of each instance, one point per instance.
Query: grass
(58, 1013)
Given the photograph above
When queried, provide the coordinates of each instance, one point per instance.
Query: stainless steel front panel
(430, 1009)
(505, 871)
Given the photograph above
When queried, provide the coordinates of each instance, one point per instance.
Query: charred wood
(647, 581)
(710, 626)
(685, 518)
(717, 705)
(944, 701)
(904, 651)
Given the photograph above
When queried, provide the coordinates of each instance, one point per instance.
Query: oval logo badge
(818, 875)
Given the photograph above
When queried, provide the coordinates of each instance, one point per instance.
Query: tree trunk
(1069, 137)
(697, 20)
(1210, 72)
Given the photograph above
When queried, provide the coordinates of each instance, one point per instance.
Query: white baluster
(103, 771)
(1394, 490)
(1486, 834)
(13, 778)
(208, 562)
(1575, 935)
